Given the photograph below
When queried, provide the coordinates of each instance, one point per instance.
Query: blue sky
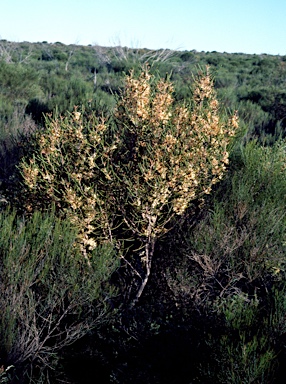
(248, 26)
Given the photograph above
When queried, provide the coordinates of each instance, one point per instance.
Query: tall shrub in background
(161, 158)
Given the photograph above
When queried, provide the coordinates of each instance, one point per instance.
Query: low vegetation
(142, 216)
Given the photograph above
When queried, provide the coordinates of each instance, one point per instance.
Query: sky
(244, 26)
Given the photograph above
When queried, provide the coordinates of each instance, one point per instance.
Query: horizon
(130, 47)
(248, 27)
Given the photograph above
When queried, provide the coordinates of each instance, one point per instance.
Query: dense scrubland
(142, 215)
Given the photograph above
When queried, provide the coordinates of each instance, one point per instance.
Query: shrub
(50, 296)
(15, 133)
(233, 267)
(161, 158)
(167, 156)
(241, 239)
(66, 168)
(243, 352)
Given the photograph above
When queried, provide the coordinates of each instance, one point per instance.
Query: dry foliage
(65, 169)
(163, 156)
(167, 155)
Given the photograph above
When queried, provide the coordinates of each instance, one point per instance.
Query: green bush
(243, 352)
(244, 234)
(50, 295)
(18, 85)
(233, 267)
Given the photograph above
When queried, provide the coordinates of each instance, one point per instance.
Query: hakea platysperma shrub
(169, 154)
(165, 156)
